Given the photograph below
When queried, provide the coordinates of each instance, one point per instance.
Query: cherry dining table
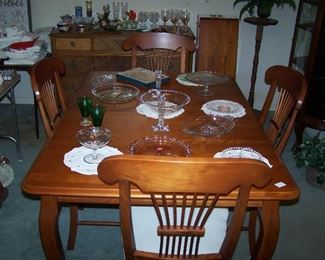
(55, 184)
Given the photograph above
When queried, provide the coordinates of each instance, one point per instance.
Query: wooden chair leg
(252, 230)
(73, 227)
(253, 241)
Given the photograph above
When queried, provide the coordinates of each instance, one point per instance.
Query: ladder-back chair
(184, 220)
(47, 87)
(159, 49)
(292, 88)
(48, 90)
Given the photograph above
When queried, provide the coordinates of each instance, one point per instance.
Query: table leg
(14, 115)
(271, 225)
(49, 230)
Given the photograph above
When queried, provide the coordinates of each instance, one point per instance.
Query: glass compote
(154, 18)
(165, 15)
(164, 102)
(94, 138)
(143, 17)
(84, 104)
(206, 79)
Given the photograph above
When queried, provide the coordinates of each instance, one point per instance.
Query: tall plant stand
(260, 23)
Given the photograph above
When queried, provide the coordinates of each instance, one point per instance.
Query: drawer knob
(73, 44)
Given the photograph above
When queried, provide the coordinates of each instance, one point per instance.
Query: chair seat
(145, 224)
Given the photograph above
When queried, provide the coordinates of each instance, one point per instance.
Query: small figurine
(103, 19)
(132, 15)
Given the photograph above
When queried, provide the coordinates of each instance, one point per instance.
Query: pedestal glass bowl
(93, 138)
(164, 102)
(206, 79)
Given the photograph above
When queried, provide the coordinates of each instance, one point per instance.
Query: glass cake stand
(206, 79)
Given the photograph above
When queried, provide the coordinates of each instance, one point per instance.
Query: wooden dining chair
(183, 218)
(159, 50)
(48, 90)
(292, 88)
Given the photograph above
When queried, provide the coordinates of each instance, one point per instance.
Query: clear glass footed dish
(93, 138)
(115, 92)
(209, 125)
(160, 145)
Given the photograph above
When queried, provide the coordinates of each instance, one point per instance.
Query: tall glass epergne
(163, 102)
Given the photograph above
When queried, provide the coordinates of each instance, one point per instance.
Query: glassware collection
(124, 19)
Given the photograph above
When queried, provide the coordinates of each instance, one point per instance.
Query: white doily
(221, 107)
(181, 79)
(242, 152)
(74, 159)
(143, 109)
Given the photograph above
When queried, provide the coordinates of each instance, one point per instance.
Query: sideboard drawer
(81, 44)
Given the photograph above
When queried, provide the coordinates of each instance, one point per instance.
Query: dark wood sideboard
(95, 50)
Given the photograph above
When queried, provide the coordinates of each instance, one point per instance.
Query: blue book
(140, 77)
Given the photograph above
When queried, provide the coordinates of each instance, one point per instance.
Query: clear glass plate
(115, 93)
(160, 145)
(206, 78)
(209, 125)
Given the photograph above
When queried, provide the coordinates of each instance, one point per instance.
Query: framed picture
(16, 13)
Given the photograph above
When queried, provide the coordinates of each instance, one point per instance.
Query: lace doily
(74, 159)
(221, 107)
(148, 111)
(242, 152)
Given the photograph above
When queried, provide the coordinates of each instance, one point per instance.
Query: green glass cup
(97, 114)
(85, 104)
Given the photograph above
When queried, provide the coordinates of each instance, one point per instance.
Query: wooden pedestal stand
(260, 23)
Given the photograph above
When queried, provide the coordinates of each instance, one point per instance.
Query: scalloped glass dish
(242, 152)
(115, 93)
(209, 125)
(160, 145)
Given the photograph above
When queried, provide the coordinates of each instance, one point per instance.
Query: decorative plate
(206, 78)
(103, 79)
(160, 145)
(221, 107)
(242, 152)
(115, 92)
(181, 78)
(209, 125)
